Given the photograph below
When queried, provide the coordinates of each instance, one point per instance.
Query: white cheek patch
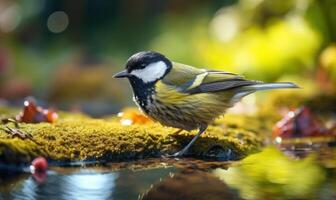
(151, 72)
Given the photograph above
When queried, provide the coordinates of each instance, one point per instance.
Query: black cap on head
(142, 59)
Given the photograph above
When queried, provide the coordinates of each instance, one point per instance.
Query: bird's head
(146, 66)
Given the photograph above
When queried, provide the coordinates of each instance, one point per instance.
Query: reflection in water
(190, 184)
(131, 184)
(75, 186)
(83, 186)
(28, 191)
(272, 174)
(266, 175)
(9, 182)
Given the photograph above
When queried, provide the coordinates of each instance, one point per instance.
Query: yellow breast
(174, 106)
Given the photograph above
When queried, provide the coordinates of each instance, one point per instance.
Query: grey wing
(192, 80)
(218, 81)
(221, 85)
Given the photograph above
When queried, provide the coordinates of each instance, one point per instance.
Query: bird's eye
(143, 65)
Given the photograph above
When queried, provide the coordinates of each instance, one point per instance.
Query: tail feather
(246, 90)
(269, 86)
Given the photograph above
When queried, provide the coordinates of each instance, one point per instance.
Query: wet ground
(270, 174)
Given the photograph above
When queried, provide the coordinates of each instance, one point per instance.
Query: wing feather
(222, 85)
(192, 80)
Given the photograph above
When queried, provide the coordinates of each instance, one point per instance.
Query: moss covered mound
(76, 137)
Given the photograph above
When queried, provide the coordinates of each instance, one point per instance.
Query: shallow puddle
(266, 175)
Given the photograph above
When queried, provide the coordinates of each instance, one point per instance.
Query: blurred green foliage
(272, 175)
(264, 39)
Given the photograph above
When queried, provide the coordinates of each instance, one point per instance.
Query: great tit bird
(183, 96)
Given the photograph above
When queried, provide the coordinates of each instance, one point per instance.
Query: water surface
(266, 175)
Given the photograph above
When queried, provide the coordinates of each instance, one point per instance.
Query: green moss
(77, 137)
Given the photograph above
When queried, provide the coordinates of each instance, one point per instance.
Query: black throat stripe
(142, 93)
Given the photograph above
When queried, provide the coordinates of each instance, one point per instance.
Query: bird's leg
(174, 133)
(202, 129)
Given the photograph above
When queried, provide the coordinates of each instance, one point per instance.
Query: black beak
(121, 74)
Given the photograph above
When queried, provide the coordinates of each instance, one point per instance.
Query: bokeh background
(64, 52)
